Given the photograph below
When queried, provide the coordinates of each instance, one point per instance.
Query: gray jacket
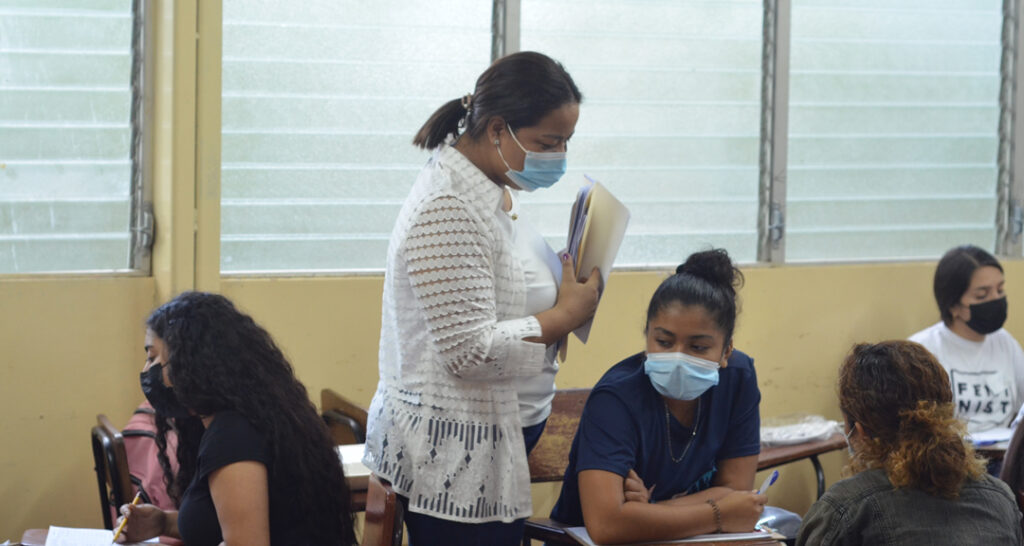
(867, 509)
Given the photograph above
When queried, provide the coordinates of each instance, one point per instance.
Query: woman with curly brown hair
(257, 465)
(916, 480)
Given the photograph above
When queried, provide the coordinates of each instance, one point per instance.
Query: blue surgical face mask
(679, 375)
(540, 169)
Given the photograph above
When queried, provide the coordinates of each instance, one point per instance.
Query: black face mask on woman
(989, 316)
(160, 396)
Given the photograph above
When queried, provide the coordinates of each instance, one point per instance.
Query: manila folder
(603, 231)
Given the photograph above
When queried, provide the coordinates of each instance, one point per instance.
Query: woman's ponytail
(931, 454)
(442, 124)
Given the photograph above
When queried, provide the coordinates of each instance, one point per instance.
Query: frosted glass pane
(893, 126)
(670, 120)
(65, 168)
(319, 108)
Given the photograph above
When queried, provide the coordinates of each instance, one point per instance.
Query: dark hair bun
(714, 266)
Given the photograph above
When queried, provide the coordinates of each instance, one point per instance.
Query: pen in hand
(120, 528)
(768, 482)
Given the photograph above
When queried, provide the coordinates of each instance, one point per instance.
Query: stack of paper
(357, 475)
(992, 436)
(578, 218)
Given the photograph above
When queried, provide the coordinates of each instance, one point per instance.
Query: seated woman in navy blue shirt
(668, 442)
(257, 465)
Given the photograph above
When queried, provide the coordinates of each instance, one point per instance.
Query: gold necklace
(668, 432)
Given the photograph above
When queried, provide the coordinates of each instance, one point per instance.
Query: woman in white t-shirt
(984, 362)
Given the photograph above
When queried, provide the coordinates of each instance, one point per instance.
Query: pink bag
(140, 444)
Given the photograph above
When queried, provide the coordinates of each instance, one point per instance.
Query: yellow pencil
(125, 520)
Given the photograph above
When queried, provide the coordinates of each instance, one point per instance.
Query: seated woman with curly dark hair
(917, 481)
(257, 463)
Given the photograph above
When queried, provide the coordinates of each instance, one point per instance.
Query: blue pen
(768, 482)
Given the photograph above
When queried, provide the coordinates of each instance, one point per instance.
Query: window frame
(140, 226)
(1009, 216)
(774, 139)
(1010, 186)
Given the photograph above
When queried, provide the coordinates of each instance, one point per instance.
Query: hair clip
(467, 101)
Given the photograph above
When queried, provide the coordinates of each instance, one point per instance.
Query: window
(892, 114)
(893, 128)
(65, 135)
(670, 120)
(319, 108)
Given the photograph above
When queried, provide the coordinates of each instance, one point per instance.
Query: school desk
(771, 457)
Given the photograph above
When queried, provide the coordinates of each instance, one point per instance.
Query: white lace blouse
(444, 425)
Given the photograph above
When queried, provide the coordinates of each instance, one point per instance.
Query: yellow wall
(796, 321)
(70, 349)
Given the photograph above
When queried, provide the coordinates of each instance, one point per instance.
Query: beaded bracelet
(718, 515)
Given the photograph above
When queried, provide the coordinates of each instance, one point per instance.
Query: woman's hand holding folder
(576, 304)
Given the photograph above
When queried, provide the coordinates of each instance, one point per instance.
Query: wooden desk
(551, 466)
(37, 537)
(771, 457)
(993, 452)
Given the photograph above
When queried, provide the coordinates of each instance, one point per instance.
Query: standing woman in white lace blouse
(473, 308)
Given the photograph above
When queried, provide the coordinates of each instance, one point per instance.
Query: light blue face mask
(540, 169)
(679, 375)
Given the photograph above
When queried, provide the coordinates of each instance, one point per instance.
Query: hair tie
(467, 101)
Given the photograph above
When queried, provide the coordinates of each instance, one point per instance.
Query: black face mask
(989, 316)
(160, 396)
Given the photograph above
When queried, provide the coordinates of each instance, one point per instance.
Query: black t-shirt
(230, 438)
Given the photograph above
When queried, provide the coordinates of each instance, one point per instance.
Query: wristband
(718, 515)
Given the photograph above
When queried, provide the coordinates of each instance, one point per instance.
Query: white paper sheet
(357, 475)
(70, 536)
(991, 436)
(581, 536)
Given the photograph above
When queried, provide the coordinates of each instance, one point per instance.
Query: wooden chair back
(345, 419)
(551, 455)
(1013, 467)
(111, 465)
(384, 515)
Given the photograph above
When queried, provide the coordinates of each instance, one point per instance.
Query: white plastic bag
(797, 428)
